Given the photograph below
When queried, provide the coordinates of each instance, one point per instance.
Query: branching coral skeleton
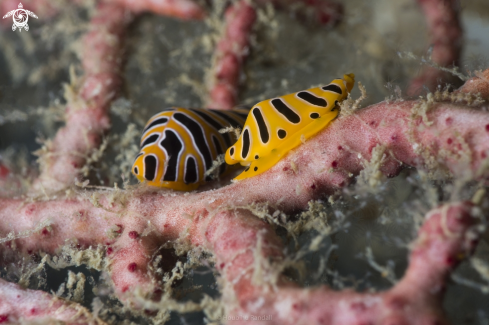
(121, 231)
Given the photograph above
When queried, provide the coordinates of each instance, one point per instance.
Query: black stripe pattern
(198, 135)
(262, 126)
(215, 124)
(312, 99)
(179, 145)
(150, 140)
(173, 146)
(150, 164)
(285, 110)
(157, 122)
(246, 144)
(333, 88)
(191, 172)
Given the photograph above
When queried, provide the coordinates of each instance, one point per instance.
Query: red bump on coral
(132, 267)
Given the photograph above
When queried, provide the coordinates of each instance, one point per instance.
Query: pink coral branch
(477, 85)
(233, 238)
(233, 47)
(87, 109)
(19, 305)
(443, 21)
(416, 299)
(323, 164)
(230, 54)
